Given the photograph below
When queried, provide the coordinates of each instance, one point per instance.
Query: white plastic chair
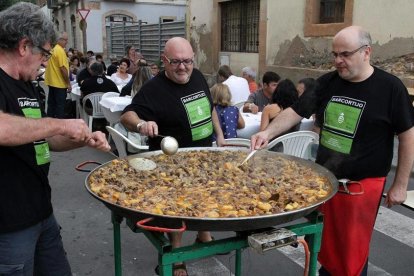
(110, 94)
(296, 143)
(97, 113)
(120, 139)
(235, 142)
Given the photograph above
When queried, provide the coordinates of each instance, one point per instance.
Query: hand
(69, 89)
(254, 109)
(98, 141)
(150, 129)
(396, 195)
(76, 130)
(259, 140)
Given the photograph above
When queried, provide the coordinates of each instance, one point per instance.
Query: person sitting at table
(96, 83)
(262, 97)
(85, 72)
(250, 75)
(229, 116)
(239, 88)
(140, 76)
(284, 96)
(121, 77)
(306, 84)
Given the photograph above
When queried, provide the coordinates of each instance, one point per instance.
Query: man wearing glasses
(57, 78)
(359, 108)
(177, 103)
(30, 241)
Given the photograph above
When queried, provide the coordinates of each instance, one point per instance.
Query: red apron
(348, 224)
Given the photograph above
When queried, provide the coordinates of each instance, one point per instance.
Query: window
(327, 17)
(240, 26)
(332, 11)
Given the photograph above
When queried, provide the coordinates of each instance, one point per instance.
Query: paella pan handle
(79, 166)
(141, 224)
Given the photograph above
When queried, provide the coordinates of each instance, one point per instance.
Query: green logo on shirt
(31, 109)
(198, 111)
(342, 117)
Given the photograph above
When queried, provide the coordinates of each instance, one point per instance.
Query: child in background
(229, 116)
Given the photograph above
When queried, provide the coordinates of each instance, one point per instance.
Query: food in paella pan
(211, 184)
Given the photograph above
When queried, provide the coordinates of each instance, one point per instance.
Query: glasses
(45, 53)
(177, 62)
(347, 54)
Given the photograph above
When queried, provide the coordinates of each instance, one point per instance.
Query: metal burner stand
(167, 256)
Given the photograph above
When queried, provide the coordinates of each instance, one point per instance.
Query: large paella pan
(214, 193)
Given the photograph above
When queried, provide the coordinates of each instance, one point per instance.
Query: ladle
(169, 145)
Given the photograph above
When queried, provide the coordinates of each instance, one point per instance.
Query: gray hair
(249, 71)
(96, 69)
(365, 38)
(25, 20)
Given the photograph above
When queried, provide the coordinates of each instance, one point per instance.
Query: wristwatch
(140, 124)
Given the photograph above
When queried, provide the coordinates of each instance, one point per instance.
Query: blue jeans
(36, 250)
(56, 102)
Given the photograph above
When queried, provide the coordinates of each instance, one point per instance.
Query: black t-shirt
(25, 193)
(97, 84)
(83, 75)
(358, 122)
(180, 110)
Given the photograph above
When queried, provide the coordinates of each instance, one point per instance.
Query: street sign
(84, 13)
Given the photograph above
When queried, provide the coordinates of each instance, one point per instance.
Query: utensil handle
(141, 224)
(236, 145)
(79, 166)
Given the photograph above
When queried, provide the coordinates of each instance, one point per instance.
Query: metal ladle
(169, 145)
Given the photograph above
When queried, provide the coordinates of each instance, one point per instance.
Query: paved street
(87, 235)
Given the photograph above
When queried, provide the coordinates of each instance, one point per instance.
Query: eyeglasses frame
(185, 62)
(347, 54)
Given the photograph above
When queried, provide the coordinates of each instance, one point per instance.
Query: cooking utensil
(222, 224)
(169, 145)
(248, 157)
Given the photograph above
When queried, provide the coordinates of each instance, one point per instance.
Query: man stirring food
(359, 108)
(177, 103)
(30, 241)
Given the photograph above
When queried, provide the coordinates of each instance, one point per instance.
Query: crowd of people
(178, 102)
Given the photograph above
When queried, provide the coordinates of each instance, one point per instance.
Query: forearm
(287, 119)
(17, 130)
(65, 75)
(130, 120)
(62, 143)
(216, 124)
(405, 158)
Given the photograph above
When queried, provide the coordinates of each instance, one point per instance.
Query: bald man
(359, 108)
(176, 102)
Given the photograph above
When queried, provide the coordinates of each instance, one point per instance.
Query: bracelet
(140, 124)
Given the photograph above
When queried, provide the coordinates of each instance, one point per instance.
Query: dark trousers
(56, 102)
(37, 250)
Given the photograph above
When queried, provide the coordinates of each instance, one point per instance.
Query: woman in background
(283, 97)
(121, 77)
(229, 116)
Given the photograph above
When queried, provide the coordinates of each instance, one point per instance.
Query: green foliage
(4, 4)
